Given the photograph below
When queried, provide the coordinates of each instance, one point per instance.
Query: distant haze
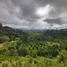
(34, 14)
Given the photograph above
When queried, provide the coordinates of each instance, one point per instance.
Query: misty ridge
(47, 34)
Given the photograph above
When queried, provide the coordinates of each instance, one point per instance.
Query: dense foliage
(48, 45)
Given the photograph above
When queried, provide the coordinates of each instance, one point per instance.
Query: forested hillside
(33, 49)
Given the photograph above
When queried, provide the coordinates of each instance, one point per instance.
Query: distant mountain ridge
(12, 34)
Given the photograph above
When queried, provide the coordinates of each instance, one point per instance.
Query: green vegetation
(33, 49)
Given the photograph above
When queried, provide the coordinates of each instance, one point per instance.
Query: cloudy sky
(34, 14)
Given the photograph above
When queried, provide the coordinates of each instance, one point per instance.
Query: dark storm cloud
(23, 13)
(54, 20)
(27, 6)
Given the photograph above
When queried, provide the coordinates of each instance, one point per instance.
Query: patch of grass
(14, 61)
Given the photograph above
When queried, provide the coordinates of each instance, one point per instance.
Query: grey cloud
(27, 6)
(60, 5)
(23, 13)
(54, 20)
